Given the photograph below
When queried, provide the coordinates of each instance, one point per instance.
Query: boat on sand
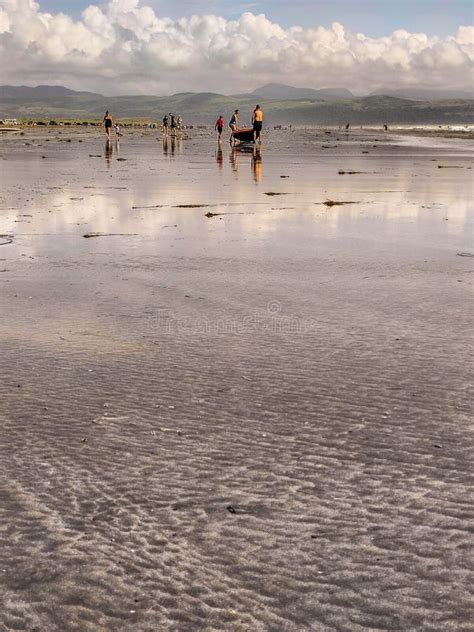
(243, 135)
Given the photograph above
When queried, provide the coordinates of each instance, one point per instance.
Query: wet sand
(257, 420)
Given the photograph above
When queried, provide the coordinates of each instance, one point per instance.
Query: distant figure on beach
(118, 132)
(165, 125)
(347, 126)
(385, 127)
(257, 123)
(179, 122)
(234, 124)
(108, 122)
(219, 126)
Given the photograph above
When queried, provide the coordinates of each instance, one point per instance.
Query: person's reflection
(257, 165)
(219, 155)
(165, 145)
(233, 158)
(173, 145)
(108, 151)
(117, 146)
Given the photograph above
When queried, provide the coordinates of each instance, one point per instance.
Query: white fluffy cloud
(124, 47)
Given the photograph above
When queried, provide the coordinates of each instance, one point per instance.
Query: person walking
(234, 124)
(257, 124)
(108, 123)
(165, 125)
(219, 126)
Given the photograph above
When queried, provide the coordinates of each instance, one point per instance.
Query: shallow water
(305, 365)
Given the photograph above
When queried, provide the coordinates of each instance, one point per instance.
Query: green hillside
(203, 108)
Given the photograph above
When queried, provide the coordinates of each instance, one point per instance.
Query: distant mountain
(281, 91)
(203, 108)
(38, 92)
(427, 94)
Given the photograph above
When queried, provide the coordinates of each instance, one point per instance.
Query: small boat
(243, 135)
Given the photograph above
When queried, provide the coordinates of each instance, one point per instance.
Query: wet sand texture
(254, 421)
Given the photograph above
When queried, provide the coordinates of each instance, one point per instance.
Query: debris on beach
(349, 173)
(6, 239)
(459, 254)
(238, 510)
(209, 214)
(90, 235)
(192, 205)
(135, 208)
(334, 203)
(450, 167)
(284, 176)
(275, 193)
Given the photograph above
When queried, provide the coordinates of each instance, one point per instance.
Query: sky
(168, 46)
(372, 17)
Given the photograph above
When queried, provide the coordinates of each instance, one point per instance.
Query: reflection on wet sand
(172, 145)
(257, 164)
(400, 200)
(243, 152)
(220, 155)
(108, 151)
(233, 158)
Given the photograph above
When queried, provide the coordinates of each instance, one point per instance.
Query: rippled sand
(258, 420)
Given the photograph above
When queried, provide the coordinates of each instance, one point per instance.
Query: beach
(235, 382)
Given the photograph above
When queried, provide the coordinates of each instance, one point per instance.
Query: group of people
(257, 125)
(173, 123)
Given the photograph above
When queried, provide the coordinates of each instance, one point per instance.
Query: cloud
(125, 47)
